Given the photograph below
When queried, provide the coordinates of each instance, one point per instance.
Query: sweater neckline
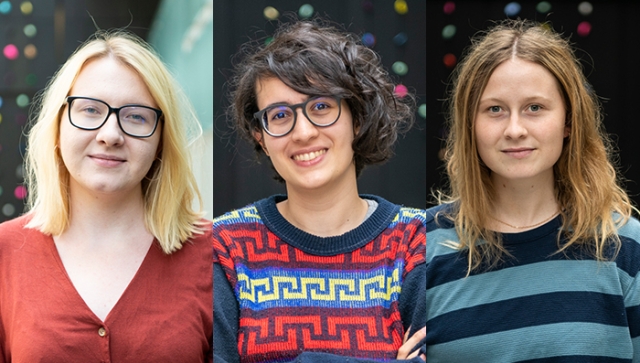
(533, 234)
(327, 246)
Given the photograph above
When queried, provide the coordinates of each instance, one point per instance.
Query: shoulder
(629, 256)
(247, 214)
(440, 216)
(441, 232)
(16, 238)
(14, 228)
(630, 229)
(409, 215)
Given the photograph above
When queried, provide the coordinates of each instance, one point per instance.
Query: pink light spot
(401, 90)
(584, 28)
(449, 7)
(11, 52)
(20, 192)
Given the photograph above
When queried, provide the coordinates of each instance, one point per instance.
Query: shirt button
(102, 332)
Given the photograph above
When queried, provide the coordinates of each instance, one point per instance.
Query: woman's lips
(309, 156)
(107, 160)
(519, 153)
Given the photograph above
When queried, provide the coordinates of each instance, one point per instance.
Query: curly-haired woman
(534, 256)
(320, 273)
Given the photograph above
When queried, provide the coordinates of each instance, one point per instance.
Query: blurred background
(394, 28)
(36, 37)
(608, 45)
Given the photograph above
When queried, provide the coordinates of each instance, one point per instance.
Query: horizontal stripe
(277, 287)
(559, 307)
(541, 278)
(586, 340)
(577, 359)
(435, 241)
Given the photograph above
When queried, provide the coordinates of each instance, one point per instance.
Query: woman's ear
(258, 136)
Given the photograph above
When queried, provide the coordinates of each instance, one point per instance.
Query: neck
(525, 204)
(324, 213)
(106, 218)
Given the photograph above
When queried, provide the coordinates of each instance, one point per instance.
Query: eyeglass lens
(320, 110)
(134, 120)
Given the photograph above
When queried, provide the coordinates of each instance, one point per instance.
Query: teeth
(309, 156)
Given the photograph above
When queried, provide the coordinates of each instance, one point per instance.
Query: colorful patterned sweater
(539, 306)
(281, 294)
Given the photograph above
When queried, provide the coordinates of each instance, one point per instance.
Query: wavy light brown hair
(586, 183)
(314, 57)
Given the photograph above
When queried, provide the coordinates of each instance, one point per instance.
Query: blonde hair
(169, 187)
(586, 184)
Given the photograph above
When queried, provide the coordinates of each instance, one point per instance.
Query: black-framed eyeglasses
(134, 120)
(279, 120)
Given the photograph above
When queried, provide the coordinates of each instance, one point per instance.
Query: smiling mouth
(309, 156)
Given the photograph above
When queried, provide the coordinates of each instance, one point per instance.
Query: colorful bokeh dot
(449, 60)
(268, 40)
(271, 13)
(20, 192)
(5, 7)
(422, 110)
(8, 210)
(30, 51)
(305, 11)
(0, 102)
(1, 190)
(400, 39)
(400, 68)
(22, 100)
(401, 90)
(449, 7)
(31, 79)
(401, 7)
(10, 51)
(369, 40)
(26, 7)
(543, 7)
(512, 9)
(585, 8)
(20, 171)
(584, 28)
(30, 30)
(449, 31)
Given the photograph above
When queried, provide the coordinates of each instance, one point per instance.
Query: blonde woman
(534, 254)
(111, 263)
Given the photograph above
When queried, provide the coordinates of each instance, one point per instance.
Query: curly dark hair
(314, 57)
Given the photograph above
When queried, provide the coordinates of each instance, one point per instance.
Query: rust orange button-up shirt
(164, 315)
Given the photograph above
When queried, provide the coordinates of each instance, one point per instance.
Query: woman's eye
(279, 115)
(535, 108)
(90, 110)
(494, 109)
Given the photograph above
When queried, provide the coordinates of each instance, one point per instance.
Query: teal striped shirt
(539, 306)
